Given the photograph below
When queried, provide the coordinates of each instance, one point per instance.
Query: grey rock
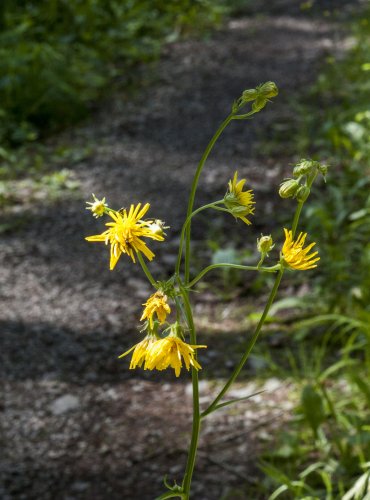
(64, 404)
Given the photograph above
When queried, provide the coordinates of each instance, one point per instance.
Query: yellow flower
(169, 352)
(295, 255)
(239, 202)
(98, 207)
(140, 351)
(124, 234)
(156, 304)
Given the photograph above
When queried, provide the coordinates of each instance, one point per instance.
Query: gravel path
(76, 423)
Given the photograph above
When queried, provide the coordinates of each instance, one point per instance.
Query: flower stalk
(167, 315)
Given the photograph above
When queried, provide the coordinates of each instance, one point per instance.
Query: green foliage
(312, 407)
(342, 218)
(324, 452)
(340, 97)
(336, 124)
(56, 56)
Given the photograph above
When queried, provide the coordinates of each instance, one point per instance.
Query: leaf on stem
(230, 402)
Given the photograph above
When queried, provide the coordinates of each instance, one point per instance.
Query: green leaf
(312, 407)
(236, 400)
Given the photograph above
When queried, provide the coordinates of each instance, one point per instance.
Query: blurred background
(120, 98)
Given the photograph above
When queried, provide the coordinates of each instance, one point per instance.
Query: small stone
(203, 385)
(64, 404)
(79, 486)
(243, 392)
(272, 384)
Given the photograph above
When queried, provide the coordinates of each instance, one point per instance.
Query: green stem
(249, 348)
(209, 205)
(253, 340)
(145, 269)
(194, 188)
(296, 217)
(196, 409)
(271, 269)
(297, 214)
(245, 116)
(334, 413)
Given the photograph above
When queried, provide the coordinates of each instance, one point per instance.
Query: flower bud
(268, 89)
(260, 95)
(288, 188)
(322, 168)
(259, 104)
(304, 167)
(264, 244)
(302, 193)
(249, 95)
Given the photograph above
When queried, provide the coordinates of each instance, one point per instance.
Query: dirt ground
(76, 423)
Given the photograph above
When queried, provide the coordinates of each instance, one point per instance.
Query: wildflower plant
(174, 345)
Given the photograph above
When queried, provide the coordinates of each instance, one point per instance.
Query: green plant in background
(56, 56)
(165, 343)
(337, 107)
(325, 452)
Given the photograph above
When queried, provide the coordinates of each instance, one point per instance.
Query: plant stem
(249, 348)
(300, 205)
(296, 218)
(194, 188)
(253, 340)
(271, 269)
(145, 269)
(196, 410)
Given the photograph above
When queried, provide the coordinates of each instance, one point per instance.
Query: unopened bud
(322, 168)
(288, 188)
(259, 95)
(259, 104)
(268, 90)
(302, 193)
(249, 95)
(264, 244)
(304, 167)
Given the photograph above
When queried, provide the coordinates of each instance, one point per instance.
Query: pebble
(272, 384)
(64, 404)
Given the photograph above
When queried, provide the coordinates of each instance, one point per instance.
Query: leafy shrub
(56, 55)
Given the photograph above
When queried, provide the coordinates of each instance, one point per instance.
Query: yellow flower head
(170, 351)
(156, 304)
(295, 256)
(125, 233)
(97, 207)
(140, 351)
(239, 202)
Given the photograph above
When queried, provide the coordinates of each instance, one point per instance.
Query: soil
(76, 422)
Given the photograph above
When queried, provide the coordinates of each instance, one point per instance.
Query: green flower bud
(259, 104)
(259, 95)
(268, 89)
(288, 188)
(302, 193)
(249, 95)
(264, 244)
(322, 168)
(304, 167)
